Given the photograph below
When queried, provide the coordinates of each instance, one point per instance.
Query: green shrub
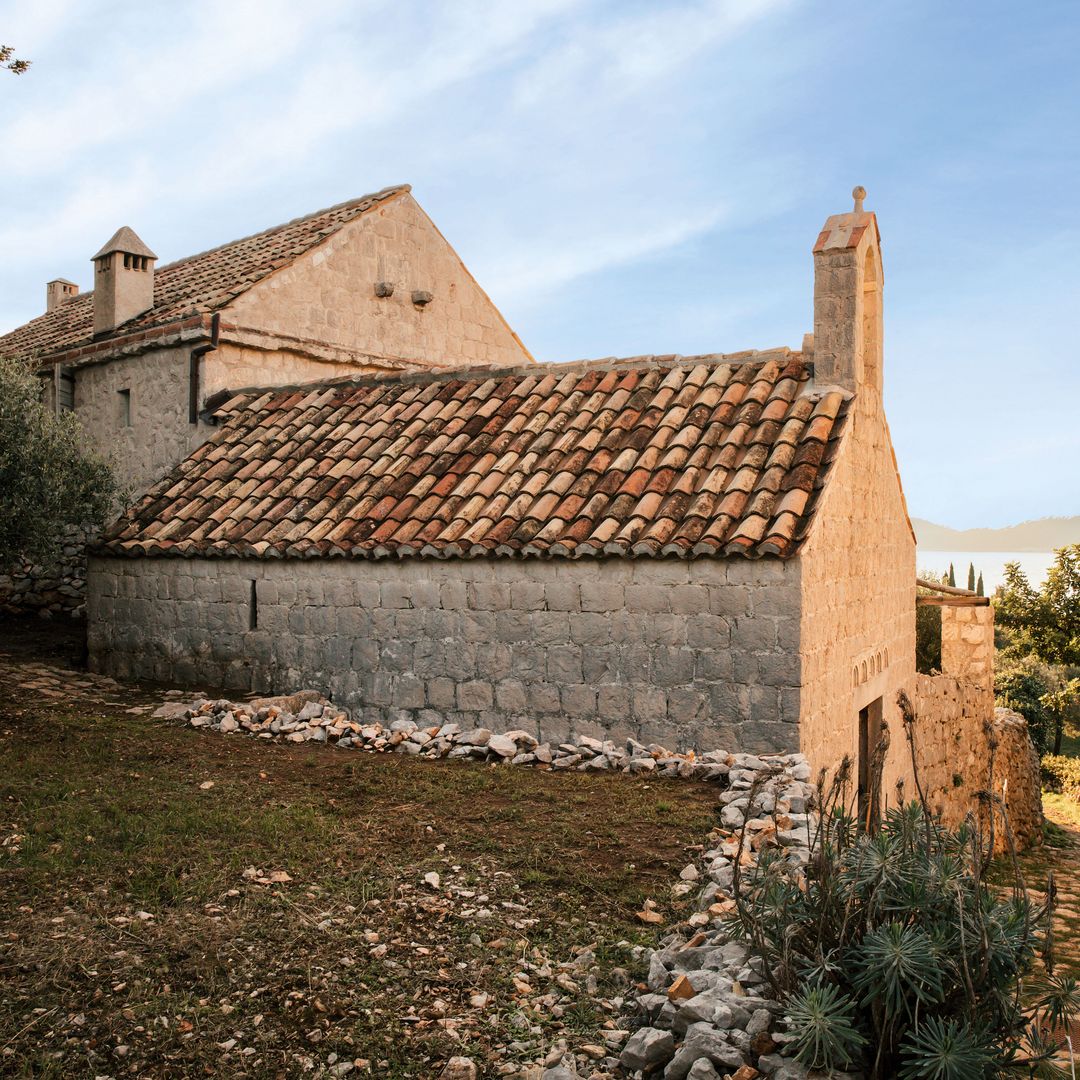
(927, 639)
(1020, 684)
(891, 953)
(47, 479)
(928, 629)
(1062, 774)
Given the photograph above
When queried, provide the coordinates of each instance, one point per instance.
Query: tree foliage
(1046, 621)
(9, 61)
(1020, 683)
(892, 954)
(928, 628)
(47, 480)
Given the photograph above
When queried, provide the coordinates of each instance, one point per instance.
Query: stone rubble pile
(307, 716)
(709, 1011)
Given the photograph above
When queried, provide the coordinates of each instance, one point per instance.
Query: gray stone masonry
(700, 654)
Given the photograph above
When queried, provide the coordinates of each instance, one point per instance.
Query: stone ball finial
(858, 193)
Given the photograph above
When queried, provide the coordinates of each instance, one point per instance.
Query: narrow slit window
(125, 407)
(253, 606)
(65, 391)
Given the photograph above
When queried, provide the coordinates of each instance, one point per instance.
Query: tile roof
(197, 284)
(653, 456)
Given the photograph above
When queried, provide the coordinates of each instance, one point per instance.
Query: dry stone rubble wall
(55, 587)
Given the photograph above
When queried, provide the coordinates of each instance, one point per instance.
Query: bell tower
(848, 283)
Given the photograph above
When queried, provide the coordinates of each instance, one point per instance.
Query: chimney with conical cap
(123, 281)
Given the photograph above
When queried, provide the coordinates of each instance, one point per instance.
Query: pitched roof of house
(653, 456)
(200, 283)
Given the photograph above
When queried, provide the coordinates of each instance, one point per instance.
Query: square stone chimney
(123, 281)
(57, 291)
(848, 283)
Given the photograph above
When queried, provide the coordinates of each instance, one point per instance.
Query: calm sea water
(991, 563)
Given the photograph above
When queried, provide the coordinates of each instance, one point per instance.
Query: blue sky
(622, 177)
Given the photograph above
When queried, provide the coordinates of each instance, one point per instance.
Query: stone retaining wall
(701, 653)
(956, 724)
(56, 587)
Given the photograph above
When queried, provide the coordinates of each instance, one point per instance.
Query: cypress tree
(952, 575)
(979, 588)
(971, 577)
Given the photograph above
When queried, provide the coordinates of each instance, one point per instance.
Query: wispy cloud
(146, 127)
(619, 176)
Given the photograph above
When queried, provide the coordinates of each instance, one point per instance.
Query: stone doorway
(869, 728)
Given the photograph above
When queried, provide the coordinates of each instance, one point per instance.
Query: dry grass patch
(137, 941)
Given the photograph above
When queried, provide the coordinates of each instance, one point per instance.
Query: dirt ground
(175, 903)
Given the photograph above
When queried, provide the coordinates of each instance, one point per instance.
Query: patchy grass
(1070, 739)
(131, 942)
(1058, 855)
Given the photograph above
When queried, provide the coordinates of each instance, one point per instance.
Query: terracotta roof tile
(195, 285)
(644, 458)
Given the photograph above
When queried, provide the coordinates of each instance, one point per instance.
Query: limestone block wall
(956, 724)
(967, 643)
(148, 433)
(236, 367)
(858, 606)
(691, 654)
(328, 295)
(1019, 778)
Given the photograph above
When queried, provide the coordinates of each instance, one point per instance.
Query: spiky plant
(890, 951)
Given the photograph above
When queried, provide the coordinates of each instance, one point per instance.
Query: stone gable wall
(236, 367)
(689, 654)
(328, 295)
(858, 583)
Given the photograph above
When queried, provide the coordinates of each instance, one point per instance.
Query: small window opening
(65, 391)
(253, 606)
(125, 407)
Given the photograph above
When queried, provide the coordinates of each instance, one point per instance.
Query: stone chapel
(354, 477)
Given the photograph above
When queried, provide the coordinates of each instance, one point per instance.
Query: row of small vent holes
(869, 668)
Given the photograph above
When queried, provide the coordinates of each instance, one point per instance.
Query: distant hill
(1046, 534)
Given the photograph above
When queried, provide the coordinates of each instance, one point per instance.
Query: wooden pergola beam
(952, 601)
(950, 590)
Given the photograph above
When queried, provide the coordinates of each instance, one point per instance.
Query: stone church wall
(858, 635)
(689, 654)
(148, 433)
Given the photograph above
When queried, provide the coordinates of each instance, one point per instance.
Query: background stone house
(369, 285)
(708, 551)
